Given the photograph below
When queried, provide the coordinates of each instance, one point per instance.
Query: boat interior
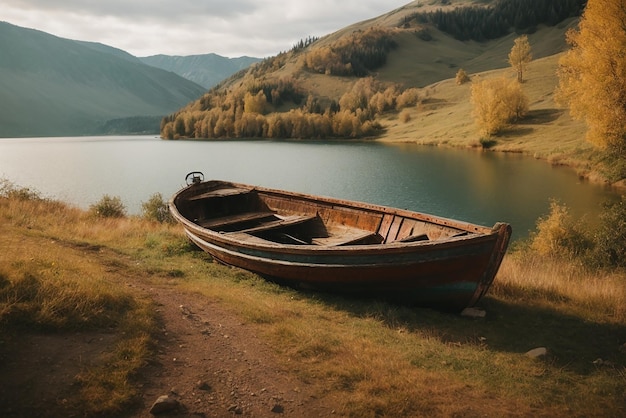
(251, 214)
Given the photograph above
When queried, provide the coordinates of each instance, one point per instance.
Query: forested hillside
(54, 87)
(338, 86)
(485, 23)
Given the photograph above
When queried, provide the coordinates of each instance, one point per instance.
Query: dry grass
(385, 360)
(375, 359)
(564, 285)
(56, 277)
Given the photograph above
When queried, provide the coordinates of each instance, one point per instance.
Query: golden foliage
(497, 102)
(553, 231)
(592, 75)
(461, 77)
(252, 110)
(254, 103)
(409, 97)
(383, 101)
(325, 61)
(520, 56)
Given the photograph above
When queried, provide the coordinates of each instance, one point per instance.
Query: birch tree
(592, 74)
(520, 56)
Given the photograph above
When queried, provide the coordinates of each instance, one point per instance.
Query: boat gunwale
(475, 232)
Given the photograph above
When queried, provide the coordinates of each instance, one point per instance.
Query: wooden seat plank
(235, 219)
(280, 223)
(349, 237)
(220, 193)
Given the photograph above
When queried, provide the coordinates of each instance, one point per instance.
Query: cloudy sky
(230, 28)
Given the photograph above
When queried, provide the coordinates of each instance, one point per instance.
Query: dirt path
(206, 359)
(215, 366)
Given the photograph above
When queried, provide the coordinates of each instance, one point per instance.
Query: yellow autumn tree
(592, 74)
(520, 56)
(461, 77)
(254, 103)
(497, 102)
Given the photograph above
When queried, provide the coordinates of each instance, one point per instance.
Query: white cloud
(185, 27)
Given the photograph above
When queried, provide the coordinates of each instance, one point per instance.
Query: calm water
(477, 187)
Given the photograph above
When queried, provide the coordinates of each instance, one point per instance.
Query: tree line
(304, 43)
(251, 112)
(485, 23)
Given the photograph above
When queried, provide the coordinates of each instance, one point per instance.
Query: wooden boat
(342, 246)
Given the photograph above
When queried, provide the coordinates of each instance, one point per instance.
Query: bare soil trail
(216, 366)
(206, 359)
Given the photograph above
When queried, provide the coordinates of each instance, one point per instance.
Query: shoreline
(581, 167)
(589, 174)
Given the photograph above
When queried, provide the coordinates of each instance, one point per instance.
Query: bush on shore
(558, 235)
(108, 207)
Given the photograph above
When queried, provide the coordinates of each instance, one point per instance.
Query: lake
(469, 185)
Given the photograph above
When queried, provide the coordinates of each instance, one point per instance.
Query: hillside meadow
(445, 118)
(64, 270)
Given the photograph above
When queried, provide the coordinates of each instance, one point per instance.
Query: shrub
(497, 102)
(487, 142)
(155, 209)
(409, 97)
(108, 207)
(11, 191)
(558, 235)
(462, 77)
(405, 116)
(383, 101)
(610, 240)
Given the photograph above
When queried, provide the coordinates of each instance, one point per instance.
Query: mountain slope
(206, 70)
(52, 86)
(338, 86)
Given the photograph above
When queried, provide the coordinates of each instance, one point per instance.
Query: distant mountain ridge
(207, 69)
(52, 86)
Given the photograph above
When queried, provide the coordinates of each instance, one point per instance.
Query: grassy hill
(302, 86)
(423, 54)
(52, 86)
(206, 70)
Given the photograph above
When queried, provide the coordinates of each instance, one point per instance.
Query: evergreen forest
(485, 23)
